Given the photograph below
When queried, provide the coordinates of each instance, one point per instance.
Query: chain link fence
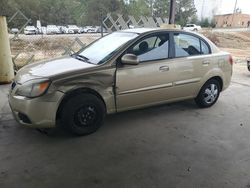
(28, 46)
(114, 22)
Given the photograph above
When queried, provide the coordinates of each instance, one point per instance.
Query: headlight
(33, 88)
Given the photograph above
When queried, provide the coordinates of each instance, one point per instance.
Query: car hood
(47, 69)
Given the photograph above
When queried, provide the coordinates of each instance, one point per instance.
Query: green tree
(185, 9)
(139, 8)
(90, 12)
(6, 8)
(95, 9)
(205, 22)
(161, 8)
(48, 11)
(194, 19)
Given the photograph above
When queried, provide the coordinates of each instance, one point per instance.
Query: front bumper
(38, 112)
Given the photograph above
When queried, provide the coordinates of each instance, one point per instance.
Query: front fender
(101, 83)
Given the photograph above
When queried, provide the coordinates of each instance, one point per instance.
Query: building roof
(232, 14)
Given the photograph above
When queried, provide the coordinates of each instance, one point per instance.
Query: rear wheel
(208, 94)
(83, 114)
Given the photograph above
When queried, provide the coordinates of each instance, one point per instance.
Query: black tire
(83, 114)
(208, 94)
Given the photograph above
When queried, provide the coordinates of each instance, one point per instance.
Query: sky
(220, 7)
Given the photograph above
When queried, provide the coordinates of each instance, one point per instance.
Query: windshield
(104, 48)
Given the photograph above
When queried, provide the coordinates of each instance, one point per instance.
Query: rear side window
(188, 45)
(204, 48)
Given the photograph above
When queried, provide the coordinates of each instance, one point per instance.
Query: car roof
(147, 30)
(139, 30)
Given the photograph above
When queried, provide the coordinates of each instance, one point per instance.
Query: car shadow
(149, 112)
(114, 120)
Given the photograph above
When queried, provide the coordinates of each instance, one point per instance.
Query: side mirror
(130, 59)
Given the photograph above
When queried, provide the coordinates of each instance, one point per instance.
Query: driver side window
(151, 48)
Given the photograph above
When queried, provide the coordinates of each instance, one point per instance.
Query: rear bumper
(227, 77)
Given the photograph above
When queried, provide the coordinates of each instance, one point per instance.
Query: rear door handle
(206, 62)
(164, 68)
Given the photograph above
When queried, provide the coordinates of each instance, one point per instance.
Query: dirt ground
(237, 43)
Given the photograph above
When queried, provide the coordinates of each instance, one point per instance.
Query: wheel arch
(68, 95)
(200, 100)
(219, 79)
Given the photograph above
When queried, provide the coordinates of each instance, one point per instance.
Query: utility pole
(6, 64)
(235, 6)
(202, 9)
(172, 12)
(151, 7)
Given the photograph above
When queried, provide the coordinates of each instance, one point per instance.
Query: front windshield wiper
(81, 57)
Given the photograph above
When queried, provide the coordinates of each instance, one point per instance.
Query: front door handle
(206, 62)
(164, 68)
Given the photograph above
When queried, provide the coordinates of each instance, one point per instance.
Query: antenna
(235, 6)
(236, 1)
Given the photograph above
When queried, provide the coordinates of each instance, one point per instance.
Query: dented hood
(47, 69)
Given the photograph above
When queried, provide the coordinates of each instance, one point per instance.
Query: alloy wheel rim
(85, 116)
(211, 93)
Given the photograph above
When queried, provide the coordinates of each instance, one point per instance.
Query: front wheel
(208, 94)
(83, 114)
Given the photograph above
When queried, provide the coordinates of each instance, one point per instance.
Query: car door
(192, 62)
(150, 81)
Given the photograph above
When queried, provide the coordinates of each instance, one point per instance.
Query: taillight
(231, 61)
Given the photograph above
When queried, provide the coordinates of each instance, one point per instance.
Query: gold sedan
(125, 70)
